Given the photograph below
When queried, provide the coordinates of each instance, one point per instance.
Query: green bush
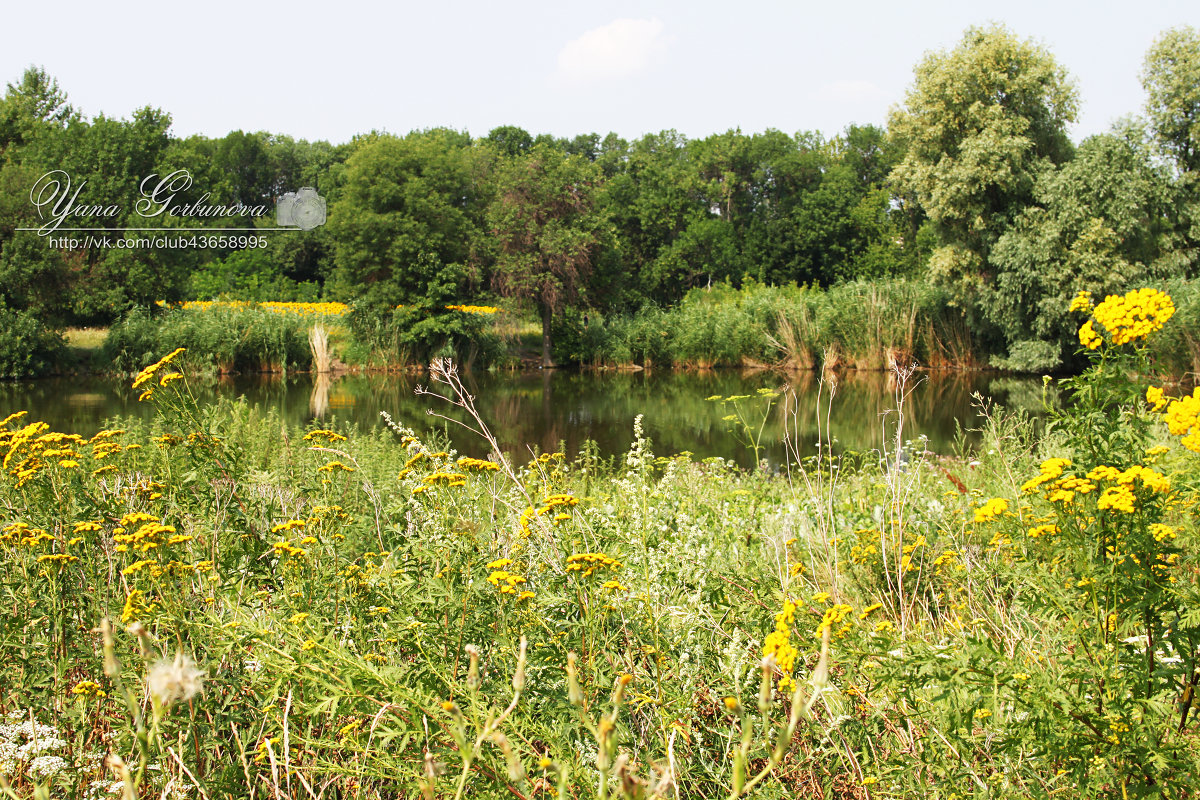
(1177, 353)
(28, 348)
(249, 275)
(416, 334)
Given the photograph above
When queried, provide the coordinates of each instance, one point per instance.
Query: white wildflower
(46, 766)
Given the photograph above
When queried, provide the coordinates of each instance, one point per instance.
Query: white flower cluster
(99, 788)
(29, 746)
(44, 767)
(639, 456)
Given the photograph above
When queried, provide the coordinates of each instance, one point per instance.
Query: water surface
(553, 409)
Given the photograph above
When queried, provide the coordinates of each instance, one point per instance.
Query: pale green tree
(1171, 78)
(978, 125)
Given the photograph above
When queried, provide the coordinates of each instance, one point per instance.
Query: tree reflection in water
(541, 410)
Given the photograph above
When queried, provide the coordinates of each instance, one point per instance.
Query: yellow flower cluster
(329, 436)
(474, 309)
(834, 615)
(306, 309)
(1117, 498)
(1051, 470)
(137, 607)
(478, 464)
(334, 466)
(869, 610)
(23, 535)
(1082, 302)
(990, 510)
(146, 374)
(150, 533)
(88, 689)
(285, 548)
(448, 478)
(1128, 318)
(510, 580)
(265, 747)
(1162, 532)
(549, 504)
(556, 500)
(1151, 480)
(1062, 487)
(587, 563)
(34, 447)
(13, 417)
(297, 309)
(1182, 415)
(778, 644)
(408, 465)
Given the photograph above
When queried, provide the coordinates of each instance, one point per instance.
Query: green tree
(1098, 223)
(1171, 77)
(404, 225)
(33, 277)
(653, 197)
(33, 105)
(510, 140)
(547, 230)
(112, 157)
(978, 125)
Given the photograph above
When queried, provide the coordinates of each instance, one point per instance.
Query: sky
(331, 70)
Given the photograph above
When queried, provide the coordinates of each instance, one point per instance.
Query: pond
(555, 409)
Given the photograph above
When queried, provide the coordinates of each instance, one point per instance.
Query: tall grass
(860, 325)
(221, 338)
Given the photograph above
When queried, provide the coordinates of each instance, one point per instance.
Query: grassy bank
(857, 325)
(213, 600)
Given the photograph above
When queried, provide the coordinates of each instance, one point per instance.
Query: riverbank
(853, 326)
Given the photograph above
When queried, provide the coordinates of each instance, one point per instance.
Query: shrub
(28, 348)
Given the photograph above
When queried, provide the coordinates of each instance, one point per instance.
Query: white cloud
(622, 48)
(851, 91)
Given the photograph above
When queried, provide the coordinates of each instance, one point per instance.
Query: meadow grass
(214, 604)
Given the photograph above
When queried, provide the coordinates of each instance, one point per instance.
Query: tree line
(974, 184)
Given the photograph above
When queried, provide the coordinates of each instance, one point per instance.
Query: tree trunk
(547, 361)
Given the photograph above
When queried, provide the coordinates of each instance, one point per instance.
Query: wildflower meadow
(213, 604)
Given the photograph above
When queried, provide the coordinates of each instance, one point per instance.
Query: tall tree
(35, 103)
(1172, 81)
(1171, 78)
(978, 125)
(406, 219)
(547, 230)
